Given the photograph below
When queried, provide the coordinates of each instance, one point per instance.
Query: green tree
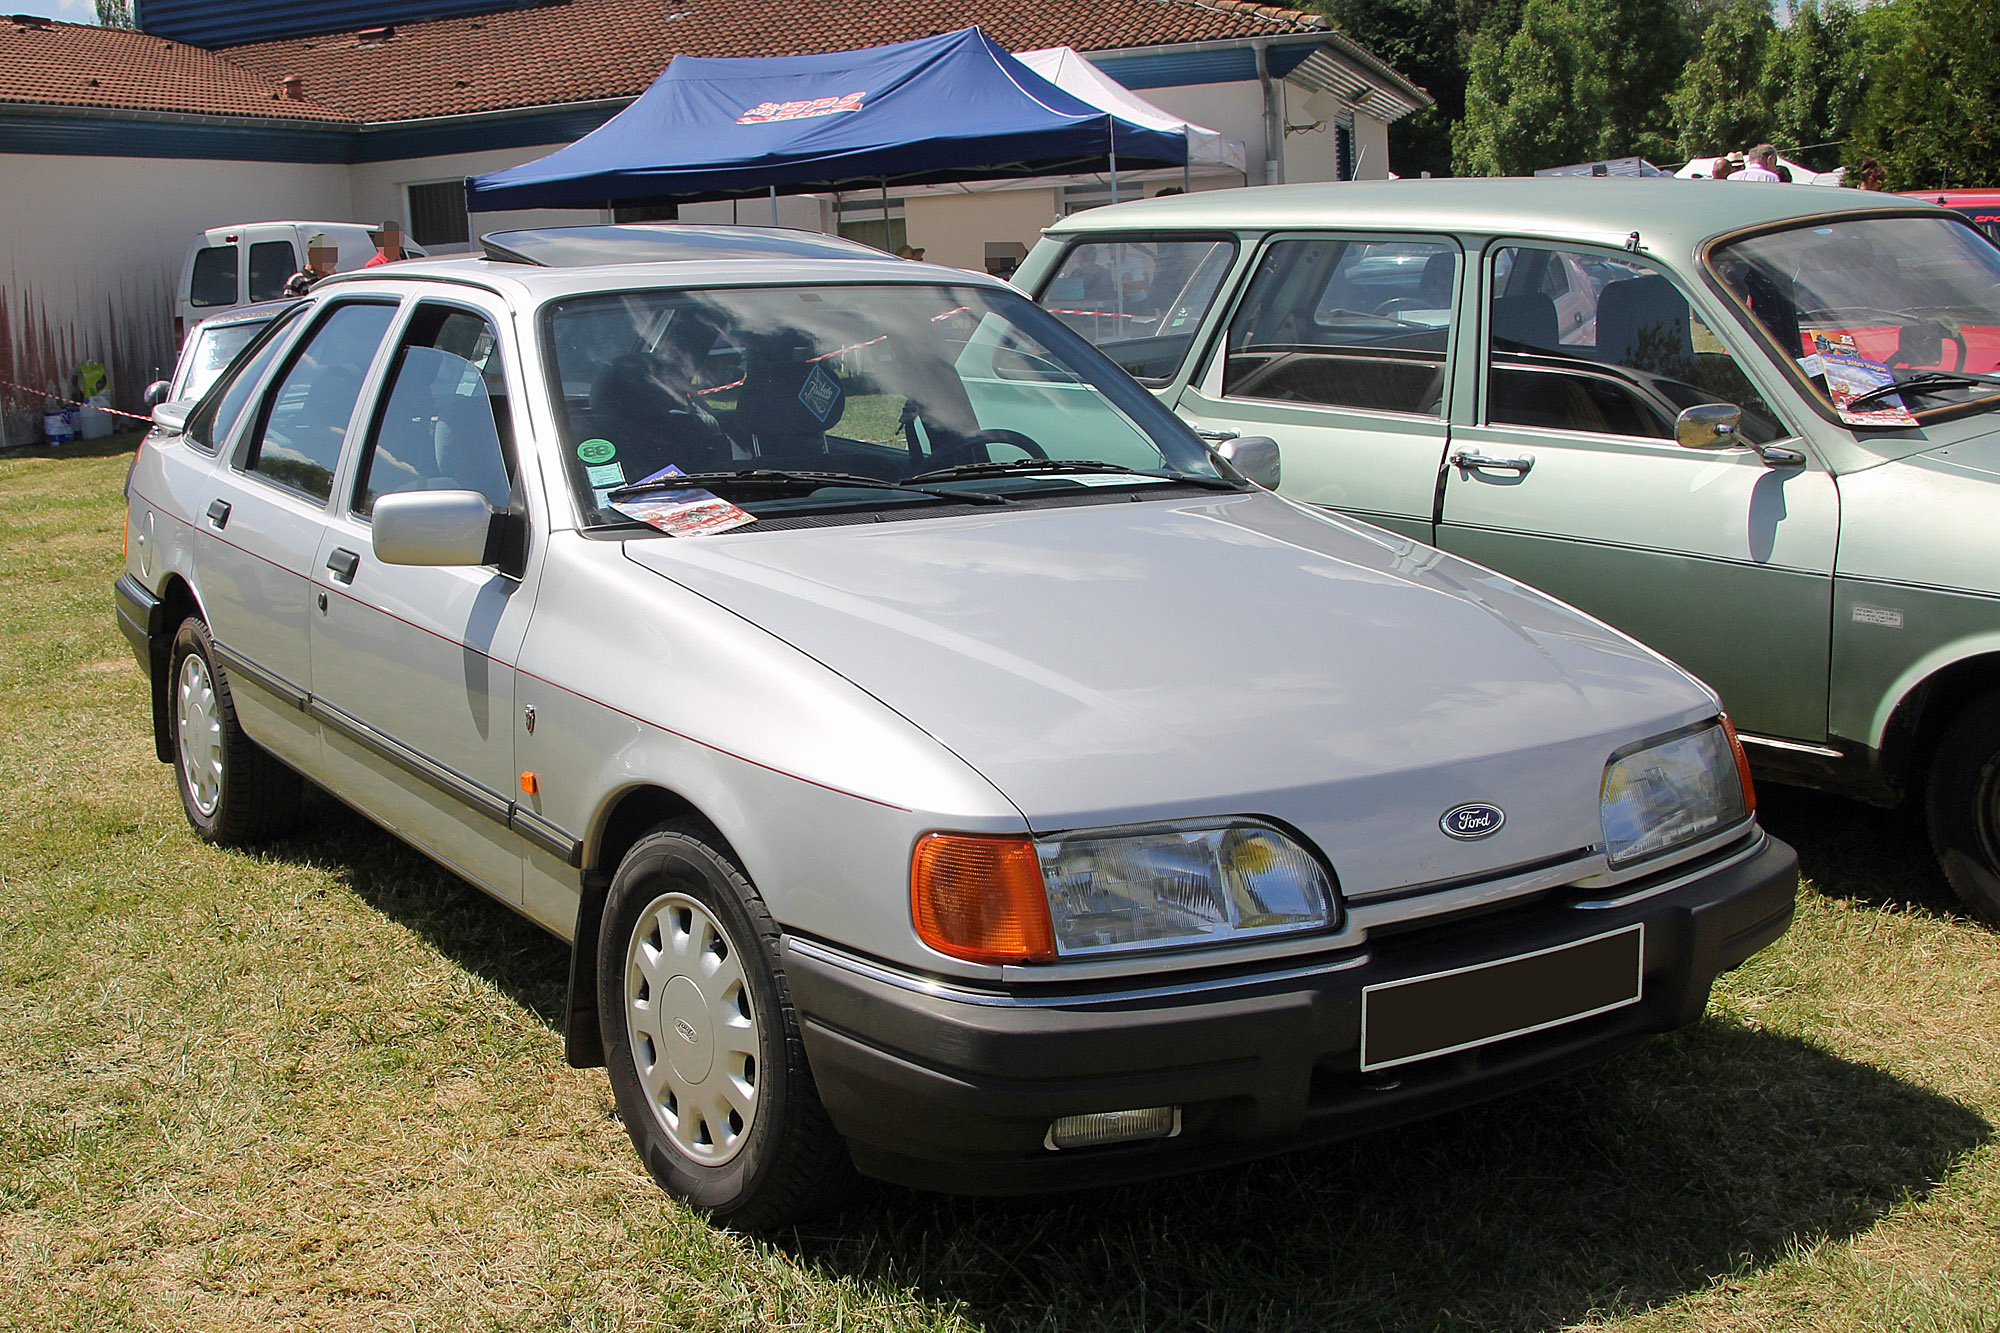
(1813, 79)
(1931, 111)
(1575, 80)
(1719, 102)
(115, 14)
(1419, 39)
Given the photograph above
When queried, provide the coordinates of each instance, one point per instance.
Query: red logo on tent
(764, 112)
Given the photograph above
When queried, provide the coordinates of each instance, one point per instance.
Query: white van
(249, 262)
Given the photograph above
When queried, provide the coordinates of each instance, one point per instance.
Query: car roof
(1670, 215)
(634, 243)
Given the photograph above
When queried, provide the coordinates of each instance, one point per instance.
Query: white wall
(954, 228)
(90, 250)
(378, 191)
(1371, 148)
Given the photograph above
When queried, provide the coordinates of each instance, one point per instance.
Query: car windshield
(212, 351)
(1867, 302)
(918, 394)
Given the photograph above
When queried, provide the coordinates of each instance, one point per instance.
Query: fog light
(1087, 1131)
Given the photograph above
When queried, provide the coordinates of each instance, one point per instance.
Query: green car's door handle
(1467, 461)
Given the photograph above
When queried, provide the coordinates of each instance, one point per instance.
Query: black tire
(1963, 808)
(726, 1118)
(233, 791)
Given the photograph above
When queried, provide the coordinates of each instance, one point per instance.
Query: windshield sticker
(690, 512)
(606, 474)
(597, 451)
(766, 112)
(820, 393)
(1811, 366)
(1848, 376)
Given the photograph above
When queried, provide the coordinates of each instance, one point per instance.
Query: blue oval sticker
(1473, 820)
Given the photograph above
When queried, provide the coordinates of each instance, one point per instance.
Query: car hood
(1126, 662)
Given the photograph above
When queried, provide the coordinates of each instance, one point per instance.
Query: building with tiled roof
(116, 147)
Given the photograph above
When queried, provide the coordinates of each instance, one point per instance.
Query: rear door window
(1346, 322)
(271, 263)
(214, 281)
(306, 415)
(1139, 301)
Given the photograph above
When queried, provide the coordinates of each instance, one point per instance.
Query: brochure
(689, 512)
(1848, 376)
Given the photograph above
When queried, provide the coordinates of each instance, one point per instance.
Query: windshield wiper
(787, 477)
(1057, 466)
(1928, 382)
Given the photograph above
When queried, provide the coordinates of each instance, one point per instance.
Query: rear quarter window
(214, 280)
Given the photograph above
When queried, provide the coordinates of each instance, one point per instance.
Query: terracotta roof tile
(590, 49)
(69, 64)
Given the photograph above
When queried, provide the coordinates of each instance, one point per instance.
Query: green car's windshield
(945, 388)
(1864, 303)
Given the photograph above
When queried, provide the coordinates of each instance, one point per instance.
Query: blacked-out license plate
(1466, 1007)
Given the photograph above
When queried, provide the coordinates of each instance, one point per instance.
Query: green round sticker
(597, 451)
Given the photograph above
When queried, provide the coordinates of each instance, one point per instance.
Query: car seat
(1642, 323)
(650, 413)
(790, 400)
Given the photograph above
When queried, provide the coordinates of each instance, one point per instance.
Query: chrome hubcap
(693, 1028)
(199, 723)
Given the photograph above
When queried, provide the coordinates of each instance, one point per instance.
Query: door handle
(342, 564)
(218, 514)
(1465, 460)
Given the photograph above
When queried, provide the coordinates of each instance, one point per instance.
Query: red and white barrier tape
(44, 393)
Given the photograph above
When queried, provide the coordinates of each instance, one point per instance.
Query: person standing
(1761, 164)
(388, 240)
(321, 256)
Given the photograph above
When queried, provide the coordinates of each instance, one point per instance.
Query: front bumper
(949, 1089)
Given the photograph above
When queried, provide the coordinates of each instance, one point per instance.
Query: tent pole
(1112, 125)
(888, 248)
(774, 205)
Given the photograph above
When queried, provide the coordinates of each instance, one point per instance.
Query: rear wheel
(232, 790)
(1963, 808)
(701, 1043)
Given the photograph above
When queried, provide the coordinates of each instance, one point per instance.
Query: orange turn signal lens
(980, 898)
(1742, 766)
(531, 785)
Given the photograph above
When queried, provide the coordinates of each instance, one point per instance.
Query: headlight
(1106, 892)
(1665, 793)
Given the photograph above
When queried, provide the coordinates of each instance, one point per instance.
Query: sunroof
(654, 242)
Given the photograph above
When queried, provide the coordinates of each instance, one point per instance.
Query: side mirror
(1255, 457)
(1710, 426)
(173, 417)
(432, 528)
(156, 393)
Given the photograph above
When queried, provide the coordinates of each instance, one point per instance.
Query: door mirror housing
(1710, 426)
(156, 393)
(1254, 458)
(433, 528)
(173, 417)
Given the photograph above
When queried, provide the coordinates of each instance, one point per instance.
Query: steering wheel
(1007, 437)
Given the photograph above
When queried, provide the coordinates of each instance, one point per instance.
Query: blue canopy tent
(948, 108)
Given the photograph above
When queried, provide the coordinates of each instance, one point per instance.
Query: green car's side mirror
(1710, 426)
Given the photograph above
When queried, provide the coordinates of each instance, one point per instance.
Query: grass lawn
(322, 1086)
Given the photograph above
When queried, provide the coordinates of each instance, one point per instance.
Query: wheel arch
(177, 604)
(628, 816)
(1914, 715)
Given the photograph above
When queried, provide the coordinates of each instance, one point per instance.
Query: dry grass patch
(321, 1086)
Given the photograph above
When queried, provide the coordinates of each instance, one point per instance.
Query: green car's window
(1140, 302)
(443, 424)
(1583, 341)
(1346, 323)
(306, 415)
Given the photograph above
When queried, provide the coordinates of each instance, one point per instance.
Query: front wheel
(1963, 808)
(701, 1043)
(232, 790)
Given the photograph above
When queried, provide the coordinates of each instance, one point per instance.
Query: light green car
(1668, 403)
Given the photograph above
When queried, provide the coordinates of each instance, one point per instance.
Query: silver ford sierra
(943, 764)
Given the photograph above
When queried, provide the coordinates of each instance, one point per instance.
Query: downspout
(1274, 137)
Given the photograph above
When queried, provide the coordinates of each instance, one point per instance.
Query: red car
(1982, 206)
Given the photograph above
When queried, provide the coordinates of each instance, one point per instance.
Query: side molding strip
(511, 815)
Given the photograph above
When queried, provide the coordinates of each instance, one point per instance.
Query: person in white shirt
(1760, 165)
